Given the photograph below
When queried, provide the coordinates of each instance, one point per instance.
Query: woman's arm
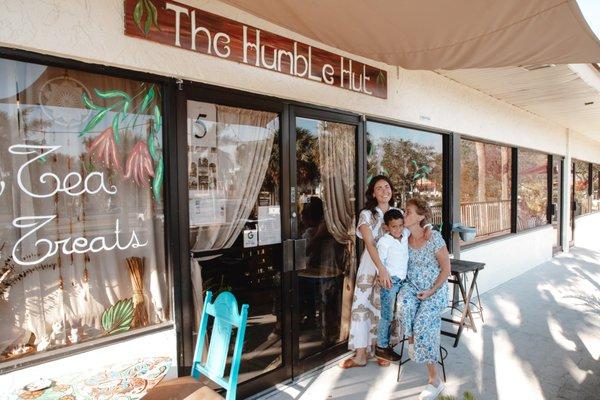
(444, 261)
(371, 246)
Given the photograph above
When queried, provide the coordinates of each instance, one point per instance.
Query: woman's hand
(424, 294)
(384, 279)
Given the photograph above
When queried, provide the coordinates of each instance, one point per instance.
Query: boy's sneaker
(386, 353)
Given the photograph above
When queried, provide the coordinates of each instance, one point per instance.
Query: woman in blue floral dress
(425, 294)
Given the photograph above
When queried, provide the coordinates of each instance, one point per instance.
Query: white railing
(487, 216)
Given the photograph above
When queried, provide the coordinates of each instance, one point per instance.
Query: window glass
(412, 159)
(485, 188)
(582, 181)
(596, 187)
(532, 194)
(235, 224)
(81, 188)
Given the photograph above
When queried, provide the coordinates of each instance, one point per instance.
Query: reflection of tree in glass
(415, 169)
(533, 188)
(485, 172)
(581, 187)
(307, 158)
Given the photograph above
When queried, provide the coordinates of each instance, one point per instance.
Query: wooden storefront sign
(179, 25)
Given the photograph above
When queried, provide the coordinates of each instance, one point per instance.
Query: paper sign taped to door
(250, 238)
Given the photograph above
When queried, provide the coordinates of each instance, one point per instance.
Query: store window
(595, 187)
(412, 159)
(582, 182)
(532, 193)
(81, 188)
(485, 198)
(235, 221)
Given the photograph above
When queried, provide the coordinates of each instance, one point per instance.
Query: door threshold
(265, 394)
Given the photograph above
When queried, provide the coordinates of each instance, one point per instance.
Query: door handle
(300, 254)
(288, 255)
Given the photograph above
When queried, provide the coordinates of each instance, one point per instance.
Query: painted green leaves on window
(145, 9)
(118, 317)
(158, 180)
(145, 157)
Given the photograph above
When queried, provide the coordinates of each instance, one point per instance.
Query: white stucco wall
(583, 148)
(586, 231)
(511, 256)
(159, 344)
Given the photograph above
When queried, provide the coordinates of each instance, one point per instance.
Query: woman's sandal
(350, 363)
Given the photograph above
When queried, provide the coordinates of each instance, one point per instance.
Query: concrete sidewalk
(540, 340)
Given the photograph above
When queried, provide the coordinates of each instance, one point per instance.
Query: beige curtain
(337, 155)
(244, 141)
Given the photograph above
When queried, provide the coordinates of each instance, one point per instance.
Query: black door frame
(560, 160)
(303, 111)
(218, 95)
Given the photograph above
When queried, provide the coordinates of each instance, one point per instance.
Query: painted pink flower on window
(139, 164)
(104, 149)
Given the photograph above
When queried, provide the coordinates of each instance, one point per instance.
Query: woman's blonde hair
(422, 209)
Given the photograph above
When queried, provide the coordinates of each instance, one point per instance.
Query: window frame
(171, 252)
(446, 166)
(589, 189)
(548, 189)
(512, 171)
(514, 184)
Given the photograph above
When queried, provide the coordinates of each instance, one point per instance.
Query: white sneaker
(431, 392)
(411, 351)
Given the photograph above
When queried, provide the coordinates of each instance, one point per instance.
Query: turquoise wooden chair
(224, 312)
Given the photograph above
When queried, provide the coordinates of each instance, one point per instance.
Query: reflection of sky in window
(378, 131)
(17, 76)
(308, 124)
(64, 130)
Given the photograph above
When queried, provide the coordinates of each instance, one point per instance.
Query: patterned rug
(124, 381)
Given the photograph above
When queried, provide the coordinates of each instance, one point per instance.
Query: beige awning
(440, 34)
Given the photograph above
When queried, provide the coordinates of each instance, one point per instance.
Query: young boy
(393, 252)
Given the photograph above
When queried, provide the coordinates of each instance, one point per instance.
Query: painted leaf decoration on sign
(154, 12)
(148, 24)
(138, 11)
(118, 317)
(158, 179)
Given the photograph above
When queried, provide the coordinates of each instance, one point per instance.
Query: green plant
(466, 396)
(118, 317)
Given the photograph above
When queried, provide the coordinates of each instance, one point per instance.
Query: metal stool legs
(443, 355)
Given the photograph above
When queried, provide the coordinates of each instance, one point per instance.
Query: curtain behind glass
(336, 154)
(43, 106)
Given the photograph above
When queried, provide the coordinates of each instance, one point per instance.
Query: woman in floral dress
(424, 295)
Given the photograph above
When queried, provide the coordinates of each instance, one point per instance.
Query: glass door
(556, 203)
(573, 207)
(324, 186)
(233, 182)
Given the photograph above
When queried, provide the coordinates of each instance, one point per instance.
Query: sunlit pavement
(540, 340)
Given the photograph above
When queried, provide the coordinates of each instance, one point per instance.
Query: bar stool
(443, 355)
(476, 308)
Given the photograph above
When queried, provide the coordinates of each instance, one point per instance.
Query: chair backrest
(224, 311)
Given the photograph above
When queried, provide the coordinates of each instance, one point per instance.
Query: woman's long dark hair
(371, 202)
